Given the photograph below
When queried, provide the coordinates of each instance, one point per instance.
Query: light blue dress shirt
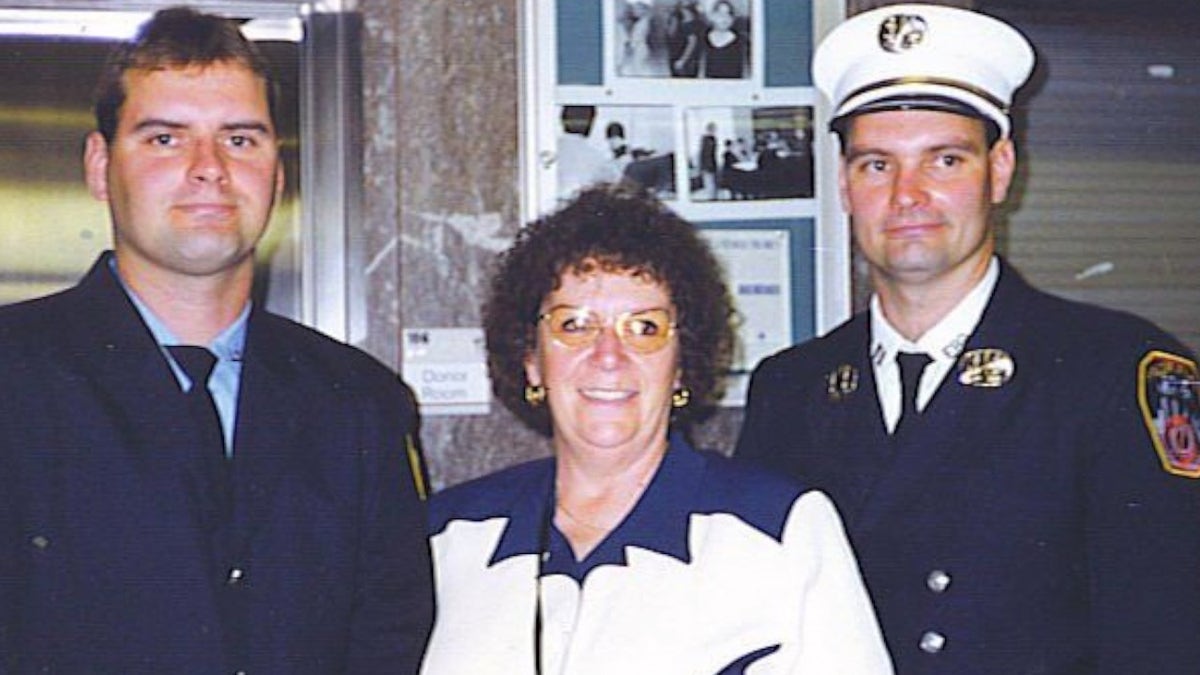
(226, 377)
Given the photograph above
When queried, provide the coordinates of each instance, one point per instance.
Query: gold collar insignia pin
(841, 382)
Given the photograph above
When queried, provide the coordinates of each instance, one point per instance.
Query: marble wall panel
(441, 82)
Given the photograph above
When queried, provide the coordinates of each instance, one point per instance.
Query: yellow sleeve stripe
(414, 465)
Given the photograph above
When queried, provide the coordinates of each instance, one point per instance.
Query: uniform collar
(946, 339)
(227, 346)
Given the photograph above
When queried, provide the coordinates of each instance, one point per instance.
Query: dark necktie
(911, 368)
(198, 363)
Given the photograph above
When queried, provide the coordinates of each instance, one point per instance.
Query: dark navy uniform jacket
(1012, 530)
(107, 561)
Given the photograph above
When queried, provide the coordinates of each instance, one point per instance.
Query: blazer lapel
(939, 441)
(268, 433)
(107, 348)
(106, 344)
(851, 442)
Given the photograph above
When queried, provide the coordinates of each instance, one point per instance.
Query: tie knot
(912, 362)
(197, 362)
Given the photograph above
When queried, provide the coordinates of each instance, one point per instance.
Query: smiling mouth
(607, 395)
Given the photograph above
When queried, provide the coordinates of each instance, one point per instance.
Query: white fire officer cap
(923, 57)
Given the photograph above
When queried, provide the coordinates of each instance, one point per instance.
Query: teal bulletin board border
(788, 25)
(580, 53)
(787, 30)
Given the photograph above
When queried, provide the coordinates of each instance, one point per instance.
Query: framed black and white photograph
(614, 143)
(740, 153)
(638, 90)
(682, 39)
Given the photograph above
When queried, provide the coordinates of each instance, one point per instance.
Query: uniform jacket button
(938, 581)
(236, 574)
(932, 642)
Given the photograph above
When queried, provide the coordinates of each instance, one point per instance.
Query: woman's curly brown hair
(616, 228)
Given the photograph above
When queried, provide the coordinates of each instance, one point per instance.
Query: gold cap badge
(901, 32)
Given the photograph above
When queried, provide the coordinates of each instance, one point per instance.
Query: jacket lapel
(142, 425)
(939, 441)
(106, 345)
(268, 433)
(850, 442)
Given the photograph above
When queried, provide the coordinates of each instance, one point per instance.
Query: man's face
(919, 186)
(192, 173)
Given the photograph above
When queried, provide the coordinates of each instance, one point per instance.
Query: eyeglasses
(643, 332)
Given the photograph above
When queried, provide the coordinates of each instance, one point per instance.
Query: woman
(608, 327)
(685, 30)
(725, 51)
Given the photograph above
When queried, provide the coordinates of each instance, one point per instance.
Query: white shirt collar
(943, 342)
(946, 339)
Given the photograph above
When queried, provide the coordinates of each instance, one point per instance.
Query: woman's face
(722, 16)
(607, 391)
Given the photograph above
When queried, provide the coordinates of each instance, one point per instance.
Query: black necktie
(198, 363)
(911, 368)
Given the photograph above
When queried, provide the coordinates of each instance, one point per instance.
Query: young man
(140, 529)
(1027, 501)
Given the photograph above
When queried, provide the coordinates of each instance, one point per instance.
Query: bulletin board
(709, 105)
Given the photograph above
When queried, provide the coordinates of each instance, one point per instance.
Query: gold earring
(535, 395)
(681, 397)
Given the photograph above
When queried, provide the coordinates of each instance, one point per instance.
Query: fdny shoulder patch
(1169, 395)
